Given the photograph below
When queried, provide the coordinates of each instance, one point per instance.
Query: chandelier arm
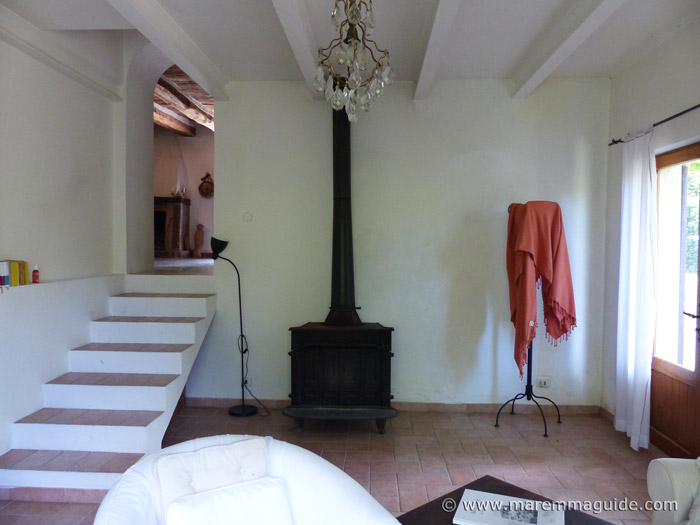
(358, 54)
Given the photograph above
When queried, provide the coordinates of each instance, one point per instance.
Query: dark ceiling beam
(168, 120)
(183, 104)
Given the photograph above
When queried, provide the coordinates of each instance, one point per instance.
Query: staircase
(116, 401)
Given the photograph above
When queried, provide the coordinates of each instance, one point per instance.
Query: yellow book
(14, 273)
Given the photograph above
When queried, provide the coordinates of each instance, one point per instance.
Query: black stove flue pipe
(343, 310)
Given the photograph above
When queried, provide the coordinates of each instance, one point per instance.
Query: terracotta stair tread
(68, 460)
(146, 319)
(134, 347)
(114, 379)
(167, 295)
(92, 417)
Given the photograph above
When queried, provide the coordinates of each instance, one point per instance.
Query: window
(677, 278)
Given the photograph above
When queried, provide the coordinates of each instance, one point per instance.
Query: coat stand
(529, 395)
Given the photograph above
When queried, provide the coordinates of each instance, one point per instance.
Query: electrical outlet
(544, 382)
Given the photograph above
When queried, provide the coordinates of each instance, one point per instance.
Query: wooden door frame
(671, 379)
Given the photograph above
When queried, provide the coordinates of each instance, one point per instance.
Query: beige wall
(55, 170)
(431, 185)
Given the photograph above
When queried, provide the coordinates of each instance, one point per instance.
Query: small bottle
(35, 274)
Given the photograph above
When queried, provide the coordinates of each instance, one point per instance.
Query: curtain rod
(618, 141)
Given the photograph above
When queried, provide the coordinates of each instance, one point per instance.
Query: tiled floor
(424, 455)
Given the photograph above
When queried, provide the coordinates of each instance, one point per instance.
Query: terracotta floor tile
(12, 457)
(65, 460)
(412, 496)
(421, 456)
(383, 484)
(461, 474)
(33, 508)
(569, 478)
(36, 460)
(497, 471)
(438, 490)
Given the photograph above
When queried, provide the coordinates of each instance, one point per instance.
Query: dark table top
(432, 513)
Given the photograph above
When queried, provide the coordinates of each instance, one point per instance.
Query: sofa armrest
(129, 502)
(319, 492)
(672, 479)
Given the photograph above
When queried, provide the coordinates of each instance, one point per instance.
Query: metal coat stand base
(529, 395)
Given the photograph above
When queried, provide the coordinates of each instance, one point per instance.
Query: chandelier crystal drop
(352, 70)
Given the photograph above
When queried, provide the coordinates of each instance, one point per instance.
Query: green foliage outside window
(693, 210)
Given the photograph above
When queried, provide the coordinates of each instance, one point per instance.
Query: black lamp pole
(242, 410)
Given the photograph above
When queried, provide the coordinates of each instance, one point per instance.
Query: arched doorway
(183, 174)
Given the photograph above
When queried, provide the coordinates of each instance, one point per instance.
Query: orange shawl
(537, 250)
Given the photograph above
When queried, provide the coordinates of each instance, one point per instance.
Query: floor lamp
(242, 410)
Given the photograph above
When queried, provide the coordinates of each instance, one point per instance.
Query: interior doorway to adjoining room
(183, 173)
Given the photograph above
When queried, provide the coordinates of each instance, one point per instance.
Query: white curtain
(636, 301)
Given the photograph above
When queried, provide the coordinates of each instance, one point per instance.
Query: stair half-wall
(118, 396)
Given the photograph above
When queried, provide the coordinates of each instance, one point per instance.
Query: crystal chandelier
(353, 70)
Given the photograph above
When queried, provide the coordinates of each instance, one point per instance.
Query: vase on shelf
(198, 241)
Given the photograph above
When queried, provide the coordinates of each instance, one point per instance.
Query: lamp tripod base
(242, 410)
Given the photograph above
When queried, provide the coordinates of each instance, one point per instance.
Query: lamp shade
(217, 246)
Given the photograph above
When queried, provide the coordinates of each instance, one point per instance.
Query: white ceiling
(217, 41)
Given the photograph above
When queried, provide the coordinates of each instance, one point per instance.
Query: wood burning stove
(341, 368)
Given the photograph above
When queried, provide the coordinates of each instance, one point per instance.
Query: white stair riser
(126, 362)
(144, 283)
(91, 438)
(105, 397)
(170, 333)
(163, 306)
(58, 479)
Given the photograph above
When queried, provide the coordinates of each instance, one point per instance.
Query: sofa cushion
(209, 468)
(263, 500)
(694, 515)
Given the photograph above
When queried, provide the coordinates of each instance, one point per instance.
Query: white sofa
(247, 479)
(672, 479)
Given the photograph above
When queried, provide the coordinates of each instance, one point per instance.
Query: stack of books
(14, 273)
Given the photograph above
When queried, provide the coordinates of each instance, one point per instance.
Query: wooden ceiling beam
(186, 98)
(166, 119)
(183, 104)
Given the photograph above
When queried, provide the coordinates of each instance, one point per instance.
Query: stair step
(145, 329)
(65, 469)
(79, 416)
(110, 391)
(171, 295)
(68, 460)
(130, 358)
(85, 429)
(133, 347)
(146, 319)
(109, 379)
(166, 304)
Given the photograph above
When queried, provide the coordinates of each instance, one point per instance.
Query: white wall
(182, 162)
(133, 174)
(55, 170)
(662, 84)
(431, 185)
